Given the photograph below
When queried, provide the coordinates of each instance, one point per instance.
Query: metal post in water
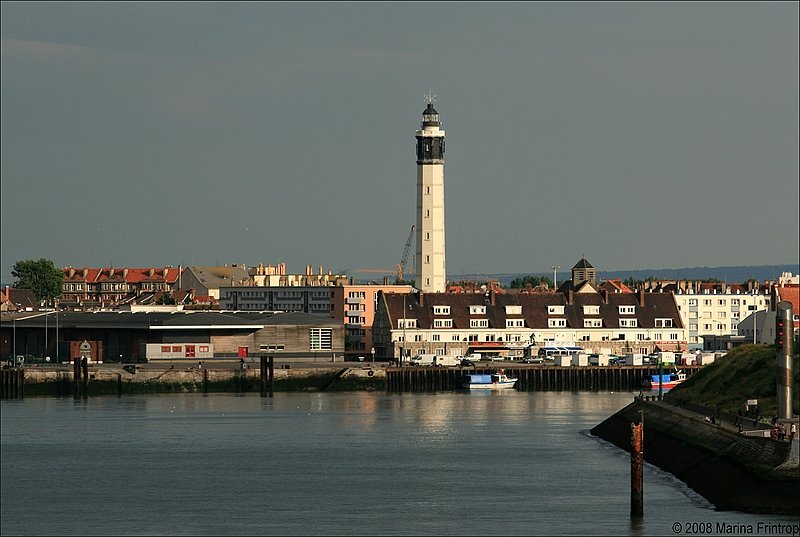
(76, 376)
(271, 376)
(637, 476)
(263, 376)
(784, 336)
(85, 366)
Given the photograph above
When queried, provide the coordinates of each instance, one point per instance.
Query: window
(441, 310)
(436, 337)
(320, 339)
(663, 323)
(591, 310)
(515, 323)
(721, 302)
(592, 323)
(673, 337)
(443, 323)
(513, 310)
(406, 323)
(721, 315)
(556, 323)
(555, 310)
(627, 310)
(706, 301)
(628, 323)
(692, 301)
(479, 323)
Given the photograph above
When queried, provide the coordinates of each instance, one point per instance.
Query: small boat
(494, 381)
(666, 381)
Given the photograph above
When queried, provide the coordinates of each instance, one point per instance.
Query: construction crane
(401, 266)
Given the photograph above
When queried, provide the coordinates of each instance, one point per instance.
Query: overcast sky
(641, 135)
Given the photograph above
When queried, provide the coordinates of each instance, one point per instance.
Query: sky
(639, 135)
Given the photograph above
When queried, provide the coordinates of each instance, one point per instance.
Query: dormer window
(441, 310)
(513, 310)
(477, 310)
(406, 323)
(591, 310)
(627, 310)
(555, 310)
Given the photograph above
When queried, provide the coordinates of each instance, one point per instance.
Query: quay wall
(530, 378)
(731, 470)
(110, 380)
(117, 381)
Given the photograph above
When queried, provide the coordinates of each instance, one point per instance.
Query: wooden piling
(637, 477)
(12, 383)
(85, 373)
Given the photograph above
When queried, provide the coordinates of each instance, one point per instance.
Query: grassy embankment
(747, 372)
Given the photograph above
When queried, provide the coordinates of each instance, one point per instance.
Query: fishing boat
(666, 381)
(494, 381)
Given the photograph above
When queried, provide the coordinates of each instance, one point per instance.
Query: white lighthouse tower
(430, 262)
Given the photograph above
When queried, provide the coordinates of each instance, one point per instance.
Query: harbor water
(356, 463)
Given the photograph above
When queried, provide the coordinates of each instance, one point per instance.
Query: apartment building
(713, 309)
(105, 287)
(511, 324)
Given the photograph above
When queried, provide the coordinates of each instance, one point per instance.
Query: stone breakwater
(112, 380)
(731, 470)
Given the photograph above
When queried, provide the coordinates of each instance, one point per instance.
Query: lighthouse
(430, 261)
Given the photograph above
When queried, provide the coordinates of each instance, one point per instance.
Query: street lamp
(555, 269)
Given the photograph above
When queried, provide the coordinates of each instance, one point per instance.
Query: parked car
(533, 360)
(467, 363)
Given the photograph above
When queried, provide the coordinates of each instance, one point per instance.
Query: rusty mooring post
(637, 459)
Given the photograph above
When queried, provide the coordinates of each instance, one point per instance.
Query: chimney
(570, 297)
(151, 272)
(111, 272)
(641, 298)
(421, 299)
(125, 273)
(8, 294)
(71, 272)
(605, 296)
(493, 297)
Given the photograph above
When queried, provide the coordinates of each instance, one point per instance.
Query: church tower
(430, 261)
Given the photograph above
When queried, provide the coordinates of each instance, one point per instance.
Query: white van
(423, 359)
(445, 360)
